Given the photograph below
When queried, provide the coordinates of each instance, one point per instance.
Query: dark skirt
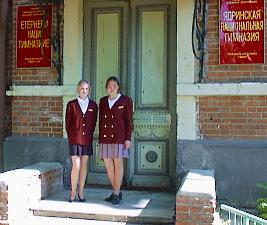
(79, 150)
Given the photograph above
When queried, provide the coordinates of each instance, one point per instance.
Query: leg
(82, 175)
(74, 175)
(109, 164)
(118, 174)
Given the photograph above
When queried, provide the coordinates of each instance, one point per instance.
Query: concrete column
(186, 105)
(3, 26)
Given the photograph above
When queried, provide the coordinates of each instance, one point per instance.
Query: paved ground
(136, 207)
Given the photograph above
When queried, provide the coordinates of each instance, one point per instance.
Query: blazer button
(111, 126)
(111, 135)
(105, 116)
(105, 126)
(83, 116)
(83, 133)
(105, 135)
(112, 116)
(83, 125)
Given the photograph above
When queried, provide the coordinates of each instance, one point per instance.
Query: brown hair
(113, 78)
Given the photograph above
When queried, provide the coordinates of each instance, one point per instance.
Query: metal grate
(233, 216)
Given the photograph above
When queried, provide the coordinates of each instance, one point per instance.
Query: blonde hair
(81, 82)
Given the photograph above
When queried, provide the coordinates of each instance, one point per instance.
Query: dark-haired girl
(115, 128)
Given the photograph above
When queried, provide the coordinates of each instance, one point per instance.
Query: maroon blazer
(115, 124)
(80, 127)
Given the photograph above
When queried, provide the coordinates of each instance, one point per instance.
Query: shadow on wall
(238, 166)
(25, 151)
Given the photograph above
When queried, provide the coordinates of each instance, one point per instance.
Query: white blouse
(111, 102)
(83, 104)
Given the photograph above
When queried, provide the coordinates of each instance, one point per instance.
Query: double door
(136, 41)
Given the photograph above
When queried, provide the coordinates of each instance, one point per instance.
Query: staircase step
(40, 220)
(137, 207)
(70, 221)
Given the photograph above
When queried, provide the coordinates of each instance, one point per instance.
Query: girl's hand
(127, 144)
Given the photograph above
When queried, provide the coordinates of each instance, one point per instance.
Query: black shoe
(115, 200)
(109, 198)
(81, 199)
(71, 200)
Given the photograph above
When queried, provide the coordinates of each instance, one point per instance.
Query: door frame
(127, 55)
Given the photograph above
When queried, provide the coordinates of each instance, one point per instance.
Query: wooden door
(136, 40)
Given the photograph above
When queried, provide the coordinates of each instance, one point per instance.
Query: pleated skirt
(113, 151)
(79, 150)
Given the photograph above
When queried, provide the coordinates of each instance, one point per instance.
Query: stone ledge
(22, 188)
(199, 183)
(196, 198)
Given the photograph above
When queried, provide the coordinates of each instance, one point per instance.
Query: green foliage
(262, 202)
(263, 186)
(262, 207)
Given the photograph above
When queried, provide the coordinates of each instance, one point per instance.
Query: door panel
(152, 58)
(137, 41)
(107, 48)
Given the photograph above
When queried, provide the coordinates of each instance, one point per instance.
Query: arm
(68, 119)
(129, 119)
(94, 118)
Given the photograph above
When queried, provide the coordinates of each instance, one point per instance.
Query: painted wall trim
(218, 89)
(185, 57)
(186, 67)
(186, 111)
(73, 41)
(38, 90)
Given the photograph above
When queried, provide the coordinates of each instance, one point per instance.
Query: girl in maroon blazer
(80, 121)
(115, 128)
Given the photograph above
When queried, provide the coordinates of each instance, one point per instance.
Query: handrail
(245, 218)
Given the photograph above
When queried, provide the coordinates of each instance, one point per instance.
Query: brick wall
(37, 116)
(194, 210)
(52, 180)
(230, 117)
(39, 76)
(3, 203)
(233, 117)
(226, 73)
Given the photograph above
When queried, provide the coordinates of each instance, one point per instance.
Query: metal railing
(233, 216)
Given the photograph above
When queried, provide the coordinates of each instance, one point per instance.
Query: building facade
(187, 114)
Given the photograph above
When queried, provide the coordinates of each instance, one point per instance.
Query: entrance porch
(35, 195)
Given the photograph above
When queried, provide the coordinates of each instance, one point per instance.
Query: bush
(262, 202)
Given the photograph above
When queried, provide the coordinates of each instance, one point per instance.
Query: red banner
(33, 36)
(241, 31)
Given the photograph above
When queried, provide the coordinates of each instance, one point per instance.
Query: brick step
(69, 218)
(138, 207)
(70, 221)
